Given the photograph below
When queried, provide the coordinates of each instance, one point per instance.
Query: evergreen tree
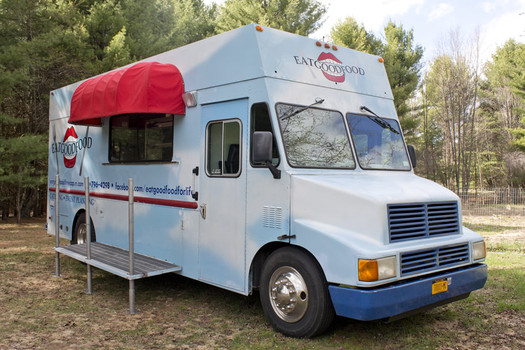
(21, 171)
(403, 64)
(503, 115)
(193, 21)
(349, 33)
(42, 47)
(402, 61)
(148, 26)
(47, 44)
(301, 17)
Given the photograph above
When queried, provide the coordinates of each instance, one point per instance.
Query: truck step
(116, 260)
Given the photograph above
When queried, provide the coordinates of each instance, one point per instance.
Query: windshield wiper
(378, 120)
(318, 101)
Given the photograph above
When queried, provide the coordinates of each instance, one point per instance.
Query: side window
(260, 121)
(223, 148)
(141, 138)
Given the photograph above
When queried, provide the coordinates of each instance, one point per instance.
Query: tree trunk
(4, 206)
(30, 202)
(18, 206)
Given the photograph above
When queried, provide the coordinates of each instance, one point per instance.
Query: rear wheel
(80, 231)
(294, 294)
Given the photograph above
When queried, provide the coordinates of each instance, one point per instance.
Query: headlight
(479, 250)
(371, 270)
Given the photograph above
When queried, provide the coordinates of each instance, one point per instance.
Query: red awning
(146, 87)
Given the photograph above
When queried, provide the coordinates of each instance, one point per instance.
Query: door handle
(203, 211)
(195, 194)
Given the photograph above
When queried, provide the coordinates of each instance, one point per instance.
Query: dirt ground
(39, 311)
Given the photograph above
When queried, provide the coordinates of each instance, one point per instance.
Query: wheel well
(75, 220)
(262, 255)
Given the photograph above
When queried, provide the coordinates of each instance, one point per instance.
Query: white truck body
(335, 201)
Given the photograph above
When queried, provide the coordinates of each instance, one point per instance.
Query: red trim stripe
(120, 197)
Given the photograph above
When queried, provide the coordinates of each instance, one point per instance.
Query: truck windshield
(314, 138)
(378, 147)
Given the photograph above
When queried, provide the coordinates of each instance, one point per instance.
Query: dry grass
(502, 233)
(40, 311)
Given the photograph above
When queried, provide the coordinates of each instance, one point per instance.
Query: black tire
(294, 294)
(79, 231)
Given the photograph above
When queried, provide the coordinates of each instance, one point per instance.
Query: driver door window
(223, 150)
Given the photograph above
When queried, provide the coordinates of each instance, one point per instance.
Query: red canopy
(146, 87)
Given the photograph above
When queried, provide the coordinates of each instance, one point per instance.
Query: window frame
(400, 134)
(139, 161)
(347, 133)
(275, 146)
(206, 148)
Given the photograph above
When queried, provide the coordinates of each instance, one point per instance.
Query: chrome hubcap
(288, 294)
(81, 234)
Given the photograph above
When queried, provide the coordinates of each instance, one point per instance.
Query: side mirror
(262, 149)
(412, 154)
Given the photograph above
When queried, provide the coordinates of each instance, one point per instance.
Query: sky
(433, 20)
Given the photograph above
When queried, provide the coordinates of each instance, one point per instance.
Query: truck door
(268, 199)
(222, 195)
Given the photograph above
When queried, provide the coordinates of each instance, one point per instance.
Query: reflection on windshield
(315, 138)
(378, 147)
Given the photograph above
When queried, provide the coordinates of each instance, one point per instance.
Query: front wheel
(294, 294)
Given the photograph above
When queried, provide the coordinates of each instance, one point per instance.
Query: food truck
(259, 161)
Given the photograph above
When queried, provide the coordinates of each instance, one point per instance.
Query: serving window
(141, 138)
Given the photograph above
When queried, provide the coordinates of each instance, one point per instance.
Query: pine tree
(301, 17)
(402, 62)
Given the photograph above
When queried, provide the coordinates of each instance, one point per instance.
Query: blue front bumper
(378, 303)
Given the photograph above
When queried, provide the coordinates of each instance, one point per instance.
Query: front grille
(433, 259)
(422, 220)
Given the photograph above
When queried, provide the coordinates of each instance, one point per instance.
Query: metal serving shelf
(123, 263)
(116, 260)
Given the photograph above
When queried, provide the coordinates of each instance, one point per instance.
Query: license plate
(439, 286)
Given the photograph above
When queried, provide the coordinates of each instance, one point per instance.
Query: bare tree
(452, 86)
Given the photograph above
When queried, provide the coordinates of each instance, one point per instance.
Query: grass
(41, 311)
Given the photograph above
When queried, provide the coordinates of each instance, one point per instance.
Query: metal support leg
(89, 290)
(132, 310)
(88, 236)
(131, 248)
(57, 229)
(57, 264)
